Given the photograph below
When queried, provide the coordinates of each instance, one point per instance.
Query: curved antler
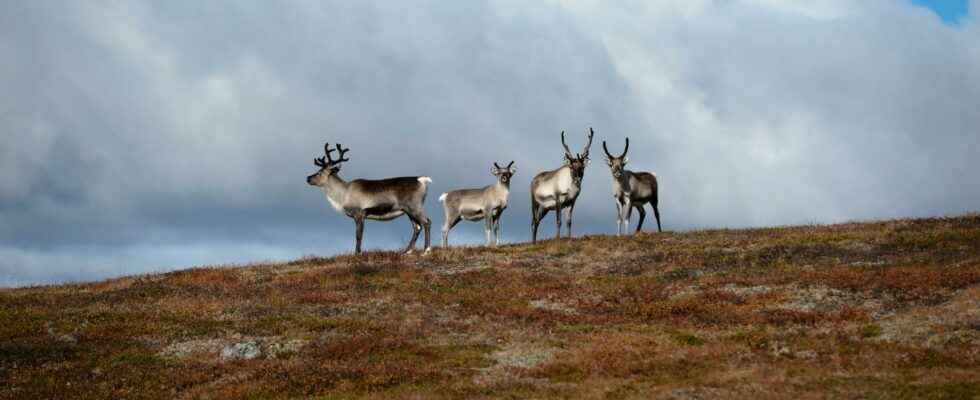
(509, 165)
(585, 153)
(606, 149)
(568, 152)
(496, 166)
(322, 161)
(340, 150)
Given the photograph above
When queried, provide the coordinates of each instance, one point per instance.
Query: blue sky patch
(949, 10)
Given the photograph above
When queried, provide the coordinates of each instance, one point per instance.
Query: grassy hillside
(871, 310)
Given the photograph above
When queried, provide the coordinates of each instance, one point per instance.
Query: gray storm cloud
(144, 136)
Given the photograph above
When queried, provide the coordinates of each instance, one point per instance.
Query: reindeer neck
(336, 190)
(624, 179)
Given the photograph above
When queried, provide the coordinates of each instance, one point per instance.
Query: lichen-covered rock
(188, 348)
(515, 356)
(952, 323)
(545, 304)
(241, 351)
(284, 349)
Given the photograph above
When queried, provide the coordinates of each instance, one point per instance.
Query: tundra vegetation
(859, 310)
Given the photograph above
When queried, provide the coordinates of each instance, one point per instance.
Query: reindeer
(487, 204)
(381, 200)
(631, 189)
(558, 189)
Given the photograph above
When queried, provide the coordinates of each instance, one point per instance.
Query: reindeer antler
(509, 165)
(606, 149)
(321, 161)
(588, 145)
(340, 151)
(568, 152)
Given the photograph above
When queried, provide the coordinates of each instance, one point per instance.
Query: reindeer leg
(558, 221)
(427, 225)
(643, 214)
(419, 221)
(628, 208)
(358, 233)
(571, 209)
(536, 216)
(619, 218)
(416, 228)
(488, 225)
(496, 228)
(446, 221)
(451, 221)
(445, 230)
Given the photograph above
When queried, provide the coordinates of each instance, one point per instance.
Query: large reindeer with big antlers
(382, 200)
(631, 189)
(558, 189)
(487, 203)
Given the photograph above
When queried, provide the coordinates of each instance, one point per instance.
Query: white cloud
(140, 126)
(818, 9)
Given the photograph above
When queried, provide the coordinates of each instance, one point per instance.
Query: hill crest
(885, 308)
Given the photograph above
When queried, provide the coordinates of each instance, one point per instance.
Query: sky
(949, 10)
(150, 136)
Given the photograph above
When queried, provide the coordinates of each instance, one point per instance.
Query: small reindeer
(558, 189)
(381, 200)
(631, 189)
(487, 204)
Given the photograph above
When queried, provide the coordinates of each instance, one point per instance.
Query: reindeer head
(617, 164)
(328, 165)
(578, 161)
(503, 174)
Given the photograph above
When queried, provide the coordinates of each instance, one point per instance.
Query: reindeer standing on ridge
(631, 189)
(558, 189)
(487, 204)
(381, 200)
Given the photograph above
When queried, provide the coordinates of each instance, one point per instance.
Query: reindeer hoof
(428, 250)
(409, 251)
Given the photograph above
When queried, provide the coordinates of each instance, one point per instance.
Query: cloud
(141, 136)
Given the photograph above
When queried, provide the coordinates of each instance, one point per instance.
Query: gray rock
(284, 349)
(549, 305)
(241, 351)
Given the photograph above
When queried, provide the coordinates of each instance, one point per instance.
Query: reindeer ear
(493, 171)
(608, 161)
(513, 170)
(626, 160)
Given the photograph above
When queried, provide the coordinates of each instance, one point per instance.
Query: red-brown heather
(859, 310)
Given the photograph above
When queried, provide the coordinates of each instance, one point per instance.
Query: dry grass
(862, 310)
